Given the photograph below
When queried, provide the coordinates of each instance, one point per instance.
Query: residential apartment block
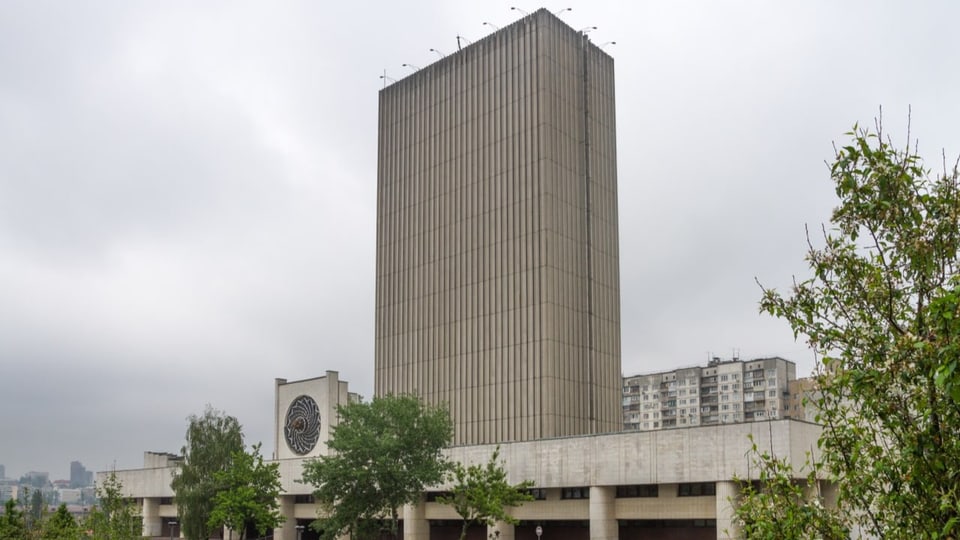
(723, 392)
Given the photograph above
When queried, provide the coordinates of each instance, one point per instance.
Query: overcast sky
(187, 189)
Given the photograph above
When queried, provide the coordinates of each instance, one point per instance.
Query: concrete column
(152, 522)
(829, 491)
(500, 530)
(287, 530)
(603, 518)
(727, 494)
(415, 524)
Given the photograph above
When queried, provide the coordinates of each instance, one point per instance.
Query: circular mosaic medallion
(302, 426)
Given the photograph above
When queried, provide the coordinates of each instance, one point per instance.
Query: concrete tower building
(498, 288)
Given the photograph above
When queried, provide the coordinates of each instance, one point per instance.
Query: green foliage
(481, 493)
(777, 506)
(248, 496)
(116, 517)
(61, 526)
(12, 522)
(212, 440)
(383, 454)
(37, 508)
(882, 311)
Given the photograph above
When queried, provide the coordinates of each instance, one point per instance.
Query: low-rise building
(642, 484)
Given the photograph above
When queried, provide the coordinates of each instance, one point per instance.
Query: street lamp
(299, 531)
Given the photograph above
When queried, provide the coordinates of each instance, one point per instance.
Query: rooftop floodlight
(438, 52)
(561, 11)
(608, 43)
(386, 78)
(520, 10)
(411, 66)
(491, 25)
(469, 42)
(587, 29)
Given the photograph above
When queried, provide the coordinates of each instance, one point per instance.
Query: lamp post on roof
(491, 25)
(561, 11)
(524, 13)
(411, 66)
(587, 29)
(386, 78)
(438, 52)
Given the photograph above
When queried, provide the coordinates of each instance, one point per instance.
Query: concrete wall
(328, 392)
(497, 253)
(698, 454)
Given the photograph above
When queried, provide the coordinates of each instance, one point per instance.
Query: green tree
(382, 456)
(248, 496)
(481, 494)
(61, 526)
(12, 522)
(115, 517)
(212, 439)
(774, 505)
(881, 311)
(37, 510)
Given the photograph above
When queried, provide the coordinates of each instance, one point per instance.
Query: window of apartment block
(772, 382)
(724, 377)
(538, 494)
(308, 499)
(736, 386)
(575, 493)
(772, 393)
(696, 489)
(771, 372)
(759, 414)
(725, 388)
(641, 490)
(735, 376)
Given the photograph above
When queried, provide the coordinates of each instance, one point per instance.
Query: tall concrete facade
(497, 252)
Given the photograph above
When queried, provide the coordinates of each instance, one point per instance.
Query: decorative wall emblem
(302, 426)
